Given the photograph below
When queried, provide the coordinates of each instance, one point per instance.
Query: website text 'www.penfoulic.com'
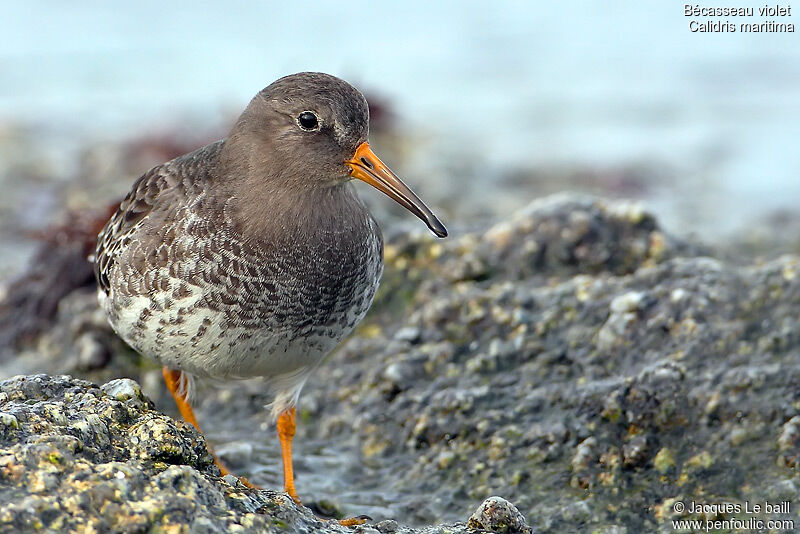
(749, 519)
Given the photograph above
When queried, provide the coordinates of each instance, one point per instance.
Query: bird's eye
(308, 121)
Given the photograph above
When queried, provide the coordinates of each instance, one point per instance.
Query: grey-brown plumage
(253, 256)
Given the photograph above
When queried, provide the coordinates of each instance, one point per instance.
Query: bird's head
(312, 129)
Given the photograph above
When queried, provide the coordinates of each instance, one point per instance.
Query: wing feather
(153, 194)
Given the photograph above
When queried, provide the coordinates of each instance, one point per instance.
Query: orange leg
(286, 428)
(173, 380)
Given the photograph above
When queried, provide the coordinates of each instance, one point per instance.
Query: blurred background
(480, 108)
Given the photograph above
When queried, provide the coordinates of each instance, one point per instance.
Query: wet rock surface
(573, 358)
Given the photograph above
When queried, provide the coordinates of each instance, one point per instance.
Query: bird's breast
(199, 294)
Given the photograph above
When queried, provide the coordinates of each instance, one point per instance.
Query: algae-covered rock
(75, 457)
(587, 386)
(83, 458)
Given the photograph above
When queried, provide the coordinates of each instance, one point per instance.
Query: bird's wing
(155, 189)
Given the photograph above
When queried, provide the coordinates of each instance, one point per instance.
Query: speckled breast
(198, 297)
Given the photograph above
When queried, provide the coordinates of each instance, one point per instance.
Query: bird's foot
(355, 521)
(293, 494)
(326, 511)
(286, 429)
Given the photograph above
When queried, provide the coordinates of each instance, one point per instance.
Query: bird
(254, 256)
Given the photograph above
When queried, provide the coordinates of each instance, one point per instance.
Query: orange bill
(368, 167)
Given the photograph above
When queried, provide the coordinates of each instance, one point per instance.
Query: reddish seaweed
(59, 266)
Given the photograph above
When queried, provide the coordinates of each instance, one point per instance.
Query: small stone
(614, 328)
(411, 334)
(445, 459)
(394, 373)
(789, 443)
(584, 454)
(790, 434)
(8, 420)
(636, 452)
(123, 389)
(231, 479)
(678, 294)
(703, 460)
(496, 514)
(387, 526)
(158, 439)
(628, 302)
(664, 460)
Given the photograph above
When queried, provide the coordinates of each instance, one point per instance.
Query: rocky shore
(84, 458)
(573, 359)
